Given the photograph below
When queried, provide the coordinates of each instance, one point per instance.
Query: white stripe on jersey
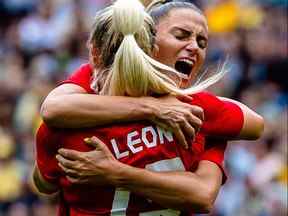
(121, 197)
(166, 212)
(120, 202)
(174, 164)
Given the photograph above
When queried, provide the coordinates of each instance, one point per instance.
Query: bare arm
(189, 191)
(253, 125)
(70, 106)
(41, 184)
(177, 189)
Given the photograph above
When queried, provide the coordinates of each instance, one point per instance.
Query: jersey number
(121, 197)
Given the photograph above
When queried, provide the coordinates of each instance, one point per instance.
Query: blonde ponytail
(133, 72)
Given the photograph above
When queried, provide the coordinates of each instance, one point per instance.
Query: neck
(99, 78)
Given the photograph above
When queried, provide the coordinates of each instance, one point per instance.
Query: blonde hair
(133, 72)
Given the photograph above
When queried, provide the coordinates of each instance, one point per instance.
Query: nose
(192, 46)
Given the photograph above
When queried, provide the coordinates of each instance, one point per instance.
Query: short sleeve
(214, 152)
(46, 149)
(81, 77)
(232, 119)
(222, 118)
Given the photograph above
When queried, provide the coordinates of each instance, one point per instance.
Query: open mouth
(184, 66)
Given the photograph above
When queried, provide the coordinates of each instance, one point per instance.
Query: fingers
(65, 162)
(184, 98)
(180, 136)
(92, 142)
(70, 172)
(67, 166)
(70, 154)
(194, 122)
(194, 109)
(76, 180)
(188, 130)
(98, 144)
(178, 132)
(179, 128)
(198, 112)
(163, 125)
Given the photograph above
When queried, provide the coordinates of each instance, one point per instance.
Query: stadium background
(43, 41)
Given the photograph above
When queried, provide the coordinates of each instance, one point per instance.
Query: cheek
(164, 54)
(167, 46)
(202, 56)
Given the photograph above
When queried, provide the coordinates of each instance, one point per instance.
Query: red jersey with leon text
(140, 145)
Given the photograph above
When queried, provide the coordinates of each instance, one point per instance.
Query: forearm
(42, 185)
(70, 106)
(178, 190)
(84, 110)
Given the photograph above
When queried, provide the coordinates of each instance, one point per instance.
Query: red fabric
(86, 200)
(81, 77)
(214, 152)
(225, 118)
(221, 119)
(45, 154)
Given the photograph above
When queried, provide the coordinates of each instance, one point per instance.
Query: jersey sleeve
(214, 152)
(81, 77)
(46, 149)
(222, 118)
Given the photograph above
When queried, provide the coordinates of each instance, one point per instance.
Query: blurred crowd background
(43, 41)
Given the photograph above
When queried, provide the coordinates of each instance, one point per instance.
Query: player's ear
(94, 54)
(155, 51)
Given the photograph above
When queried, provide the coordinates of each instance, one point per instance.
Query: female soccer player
(85, 110)
(142, 144)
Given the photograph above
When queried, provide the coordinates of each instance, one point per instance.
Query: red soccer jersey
(139, 144)
(82, 77)
(225, 111)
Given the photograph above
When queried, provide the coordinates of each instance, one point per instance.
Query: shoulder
(43, 131)
(205, 98)
(222, 118)
(83, 70)
(81, 77)
(210, 103)
(46, 136)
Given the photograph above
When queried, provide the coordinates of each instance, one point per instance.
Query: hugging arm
(183, 190)
(41, 184)
(188, 191)
(70, 106)
(46, 171)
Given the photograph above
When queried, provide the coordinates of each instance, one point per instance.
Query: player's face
(182, 39)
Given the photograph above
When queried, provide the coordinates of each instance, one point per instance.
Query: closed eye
(181, 34)
(202, 42)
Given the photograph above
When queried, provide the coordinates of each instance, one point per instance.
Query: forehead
(186, 18)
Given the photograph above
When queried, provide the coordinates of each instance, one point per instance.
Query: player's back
(140, 145)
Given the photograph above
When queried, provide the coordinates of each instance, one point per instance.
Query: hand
(95, 167)
(183, 119)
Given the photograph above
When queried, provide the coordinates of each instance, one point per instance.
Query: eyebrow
(181, 29)
(187, 31)
(204, 34)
